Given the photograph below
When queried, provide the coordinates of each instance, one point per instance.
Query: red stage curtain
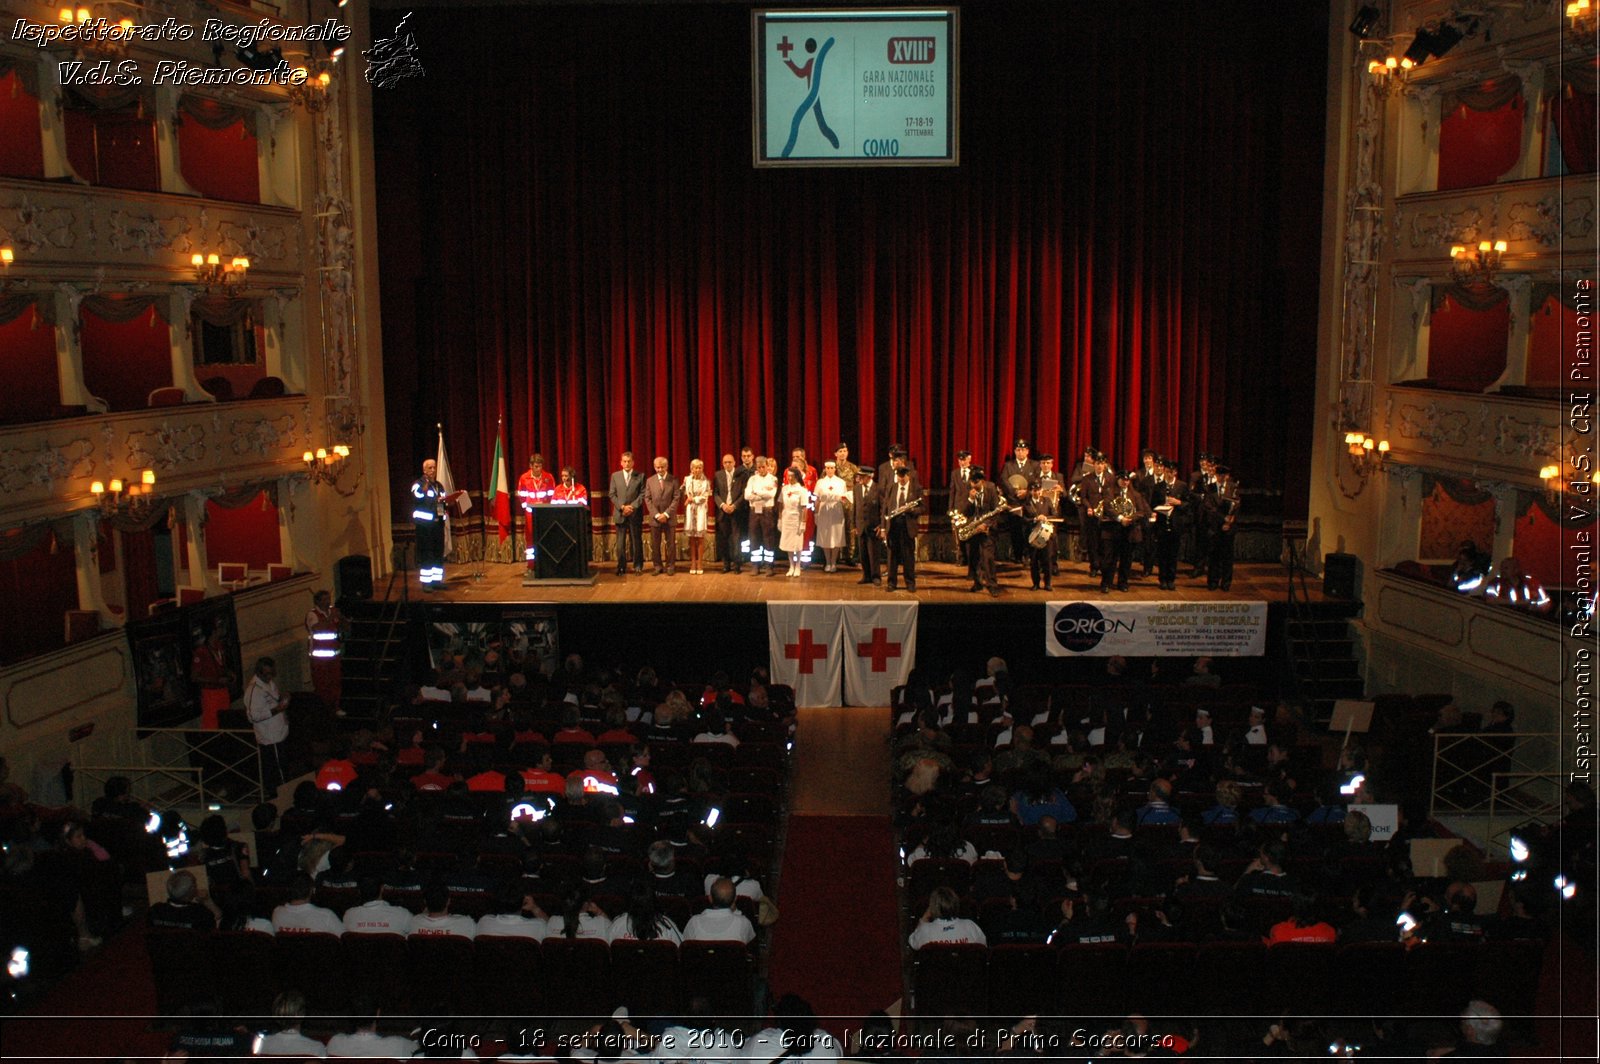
(19, 127)
(1454, 511)
(247, 533)
(28, 357)
(40, 585)
(574, 237)
(1467, 343)
(220, 162)
(1536, 543)
(123, 362)
(1477, 146)
(139, 578)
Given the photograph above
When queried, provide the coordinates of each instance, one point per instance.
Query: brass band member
(866, 514)
(1123, 514)
(901, 498)
(1144, 482)
(1041, 510)
(1201, 484)
(960, 485)
(1169, 499)
(1050, 483)
(1220, 510)
(983, 498)
(1092, 491)
(1019, 465)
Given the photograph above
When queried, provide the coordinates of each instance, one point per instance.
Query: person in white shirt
(794, 1035)
(1256, 733)
(941, 922)
(374, 916)
(761, 492)
(522, 918)
(1202, 721)
(299, 916)
(794, 504)
(643, 921)
(268, 715)
(365, 1041)
(582, 919)
(833, 500)
(716, 730)
(742, 887)
(290, 1009)
(437, 919)
(721, 922)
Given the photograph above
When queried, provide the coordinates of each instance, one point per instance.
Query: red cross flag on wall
(803, 638)
(835, 653)
(880, 644)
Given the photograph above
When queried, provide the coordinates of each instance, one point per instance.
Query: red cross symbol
(785, 46)
(806, 651)
(880, 650)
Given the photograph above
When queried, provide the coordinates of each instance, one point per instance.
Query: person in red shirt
(336, 774)
(434, 779)
(536, 487)
(572, 729)
(569, 492)
(1303, 925)
(541, 778)
(643, 781)
(595, 775)
(617, 732)
(487, 780)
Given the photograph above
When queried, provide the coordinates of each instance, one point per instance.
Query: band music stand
(1351, 715)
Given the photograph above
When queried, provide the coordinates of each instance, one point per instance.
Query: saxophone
(969, 528)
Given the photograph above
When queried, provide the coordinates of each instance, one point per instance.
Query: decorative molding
(1436, 425)
(1537, 220)
(136, 230)
(166, 446)
(42, 466)
(261, 436)
(1528, 438)
(1441, 228)
(33, 227)
(1577, 214)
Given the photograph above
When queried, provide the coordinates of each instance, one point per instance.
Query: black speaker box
(353, 578)
(1340, 576)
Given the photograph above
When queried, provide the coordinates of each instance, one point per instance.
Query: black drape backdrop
(573, 237)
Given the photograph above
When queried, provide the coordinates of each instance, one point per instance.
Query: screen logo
(1080, 626)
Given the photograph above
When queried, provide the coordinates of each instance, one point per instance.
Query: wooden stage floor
(937, 582)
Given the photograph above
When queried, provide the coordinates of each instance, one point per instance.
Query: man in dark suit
(981, 499)
(903, 492)
(662, 494)
(1219, 510)
(885, 477)
(960, 484)
(1167, 528)
(1018, 477)
(1092, 491)
(866, 512)
(627, 511)
(1121, 527)
(1144, 482)
(1202, 484)
(733, 513)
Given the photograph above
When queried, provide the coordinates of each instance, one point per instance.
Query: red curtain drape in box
(574, 237)
(1552, 342)
(124, 361)
(247, 533)
(1480, 138)
(1467, 340)
(1536, 543)
(19, 125)
(28, 355)
(1575, 105)
(217, 147)
(40, 586)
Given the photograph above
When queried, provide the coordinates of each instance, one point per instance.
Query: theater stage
(937, 583)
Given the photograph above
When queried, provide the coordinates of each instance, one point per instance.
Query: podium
(560, 546)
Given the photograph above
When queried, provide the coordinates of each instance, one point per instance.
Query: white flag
(447, 485)
(880, 643)
(803, 639)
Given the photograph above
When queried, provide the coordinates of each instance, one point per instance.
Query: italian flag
(500, 489)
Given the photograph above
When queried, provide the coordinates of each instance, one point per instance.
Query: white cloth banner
(804, 642)
(1155, 629)
(880, 643)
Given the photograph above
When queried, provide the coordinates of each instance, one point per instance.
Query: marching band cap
(896, 451)
(976, 472)
(1019, 442)
(1099, 456)
(902, 471)
(1224, 471)
(1124, 474)
(1047, 458)
(963, 454)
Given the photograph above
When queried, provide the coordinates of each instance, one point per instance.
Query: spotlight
(1519, 849)
(1419, 50)
(1566, 888)
(1443, 39)
(19, 963)
(1366, 21)
(256, 59)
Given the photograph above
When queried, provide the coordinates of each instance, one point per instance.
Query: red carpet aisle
(836, 943)
(113, 986)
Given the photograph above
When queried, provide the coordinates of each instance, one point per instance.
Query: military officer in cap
(1169, 501)
(1092, 490)
(1018, 477)
(981, 499)
(1220, 511)
(1123, 514)
(1202, 483)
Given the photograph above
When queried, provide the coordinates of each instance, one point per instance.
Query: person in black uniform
(898, 532)
(1123, 514)
(733, 513)
(1171, 492)
(1018, 477)
(981, 499)
(1144, 482)
(1050, 483)
(1201, 484)
(1040, 509)
(960, 484)
(1220, 511)
(865, 515)
(1092, 491)
(429, 515)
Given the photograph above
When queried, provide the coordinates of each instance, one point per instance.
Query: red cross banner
(879, 645)
(804, 641)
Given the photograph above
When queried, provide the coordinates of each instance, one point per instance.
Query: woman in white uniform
(696, 500)
(793, 504)
(833, 501)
